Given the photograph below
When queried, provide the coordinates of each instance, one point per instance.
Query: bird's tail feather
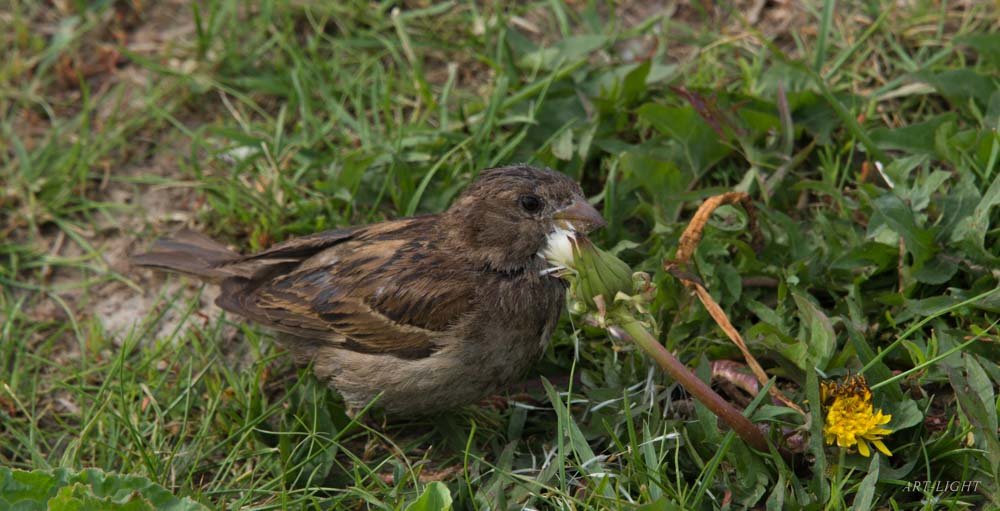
(189, 252)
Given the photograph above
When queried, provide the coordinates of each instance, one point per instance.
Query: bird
(416, 315)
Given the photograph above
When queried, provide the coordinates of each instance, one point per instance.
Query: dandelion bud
(599, 273)
(591, 271)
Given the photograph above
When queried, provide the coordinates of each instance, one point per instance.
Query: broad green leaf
(903, 172)
(707, 425)
(91, 489)
(946, 143)
(899, 217)
(760, 116)
(991, 121)
(976, 412)
(956, 206)
(792, 78)
(916, 138)
(436, 497)
(986, 44)
(624, 85)
(77, 497)
(731, 281)
(870, 253)
(866, 490)
(661, 504)
(936, 271)
(821, 341)
(656, 173)
(959, 85)
(765, 313)
(905, 414)
(700, 143)
(776, 501)
(569, 49)
(634, 84)
(980, 383)
(813, 114)
(819, 483)
(972, 229)
(771, 338)
(924, 307)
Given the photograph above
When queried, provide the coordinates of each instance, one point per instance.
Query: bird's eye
(531, 203)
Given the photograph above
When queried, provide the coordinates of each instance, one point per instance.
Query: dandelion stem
(702, 392)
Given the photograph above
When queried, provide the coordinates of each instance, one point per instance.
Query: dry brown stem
(696, 227)
(688, 244)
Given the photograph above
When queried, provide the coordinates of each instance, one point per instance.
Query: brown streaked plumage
(431, 312)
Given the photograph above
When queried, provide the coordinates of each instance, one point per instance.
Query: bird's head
(508, 215)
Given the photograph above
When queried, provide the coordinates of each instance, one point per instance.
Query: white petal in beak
(558, 249)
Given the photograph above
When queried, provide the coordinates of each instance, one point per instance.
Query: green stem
(702, 392)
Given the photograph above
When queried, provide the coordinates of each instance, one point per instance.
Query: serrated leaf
(700, 142)
(796, 352)
(77, 497)
(656, 174)
(899, 217)
(975, 411)
(973, 229)
(957, 205)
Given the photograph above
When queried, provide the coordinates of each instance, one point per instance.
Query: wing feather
(386, 292)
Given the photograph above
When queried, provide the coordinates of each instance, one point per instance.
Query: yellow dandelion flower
(851, 418)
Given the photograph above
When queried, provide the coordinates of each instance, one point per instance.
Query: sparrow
(420, 314)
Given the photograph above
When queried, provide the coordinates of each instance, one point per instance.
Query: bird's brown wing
(384, 290)
(283, 257)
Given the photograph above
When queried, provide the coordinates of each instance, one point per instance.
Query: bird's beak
(579, 216)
